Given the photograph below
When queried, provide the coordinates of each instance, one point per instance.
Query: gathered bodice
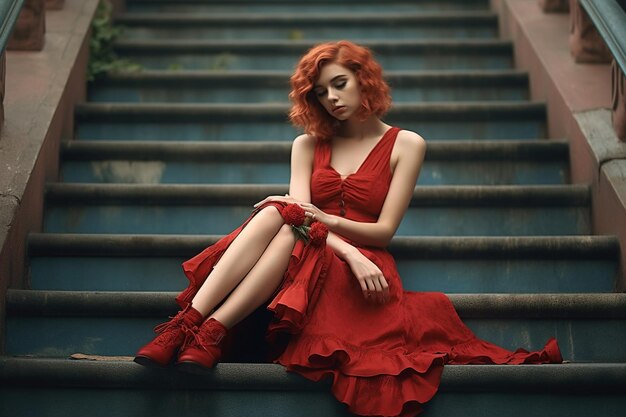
(360, 195)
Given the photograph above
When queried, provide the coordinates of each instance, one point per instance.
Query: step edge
(55, 373)
(98, 304)
(279, 151)
(524, 247)
(227, 194)
(225, 18)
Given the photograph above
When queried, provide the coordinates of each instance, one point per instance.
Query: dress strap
(380, 159)
(321, 154)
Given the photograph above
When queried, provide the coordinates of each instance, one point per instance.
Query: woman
(338, 300)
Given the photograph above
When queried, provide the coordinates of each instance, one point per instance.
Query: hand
(285, 199)
(373, 283)
(313, 213)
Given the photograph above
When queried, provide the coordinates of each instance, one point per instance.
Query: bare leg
(242, 254)
(261, 281)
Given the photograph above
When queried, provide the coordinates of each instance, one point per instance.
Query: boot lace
(170, 330)
(208, 336)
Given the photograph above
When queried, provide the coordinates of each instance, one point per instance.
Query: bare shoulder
(303, 146)
(409, 147)
(410, 141)
(304, 142)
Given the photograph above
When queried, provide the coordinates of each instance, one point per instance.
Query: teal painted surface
(166, 403)
(216, 94)
(282, 130)
(507, 275)
(432, 173)
(319, 32)
(524, 405)
(108, 274)
(418, 221)
(158, 172)
(238, 61)
(579, 340)
(448, 275)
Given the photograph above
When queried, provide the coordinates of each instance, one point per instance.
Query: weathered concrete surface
(41, 89)
(578, 98)
(610, 196)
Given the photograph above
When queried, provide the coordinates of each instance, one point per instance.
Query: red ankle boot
(171, 336)
(201, 349)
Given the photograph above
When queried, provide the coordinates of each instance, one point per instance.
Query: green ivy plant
(102, 57)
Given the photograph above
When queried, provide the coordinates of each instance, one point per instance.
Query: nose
(332, 94)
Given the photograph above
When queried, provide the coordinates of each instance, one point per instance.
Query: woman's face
(338, 91)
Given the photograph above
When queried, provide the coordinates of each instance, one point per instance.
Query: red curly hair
(307, 112)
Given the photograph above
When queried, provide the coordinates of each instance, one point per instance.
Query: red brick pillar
(28, 33)
(549, 6)
(585, 43)
(618, 88)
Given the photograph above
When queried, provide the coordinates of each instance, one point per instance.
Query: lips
(338, 109)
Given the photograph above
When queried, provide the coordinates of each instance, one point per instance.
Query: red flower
(293, 214)
(318, 233)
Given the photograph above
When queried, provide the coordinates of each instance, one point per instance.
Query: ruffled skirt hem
(371, 381)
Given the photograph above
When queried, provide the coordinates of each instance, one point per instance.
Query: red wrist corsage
(294, 216)
(318, 232)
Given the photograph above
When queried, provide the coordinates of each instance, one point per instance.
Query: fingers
(285, 198)
(375, 290)
(385, 287)
(364, 288)
(313, 212)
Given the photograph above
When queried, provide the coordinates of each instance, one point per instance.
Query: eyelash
(338, 86)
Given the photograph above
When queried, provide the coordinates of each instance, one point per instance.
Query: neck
(354, 128)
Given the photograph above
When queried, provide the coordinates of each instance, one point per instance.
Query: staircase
(170, 158)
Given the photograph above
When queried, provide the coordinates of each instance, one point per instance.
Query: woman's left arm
(411, 151)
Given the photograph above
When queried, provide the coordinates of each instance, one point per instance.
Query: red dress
(384, 360)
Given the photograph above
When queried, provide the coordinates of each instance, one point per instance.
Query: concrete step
(273, 86)
(561, 264)
(265, 121)
(43, 386)
(447, 163)
(217, 209)
(592, 327)
(273, 6)
(309, 26)
(198, 54)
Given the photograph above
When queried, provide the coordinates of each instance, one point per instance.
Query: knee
(286, 233)
(271, 215)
